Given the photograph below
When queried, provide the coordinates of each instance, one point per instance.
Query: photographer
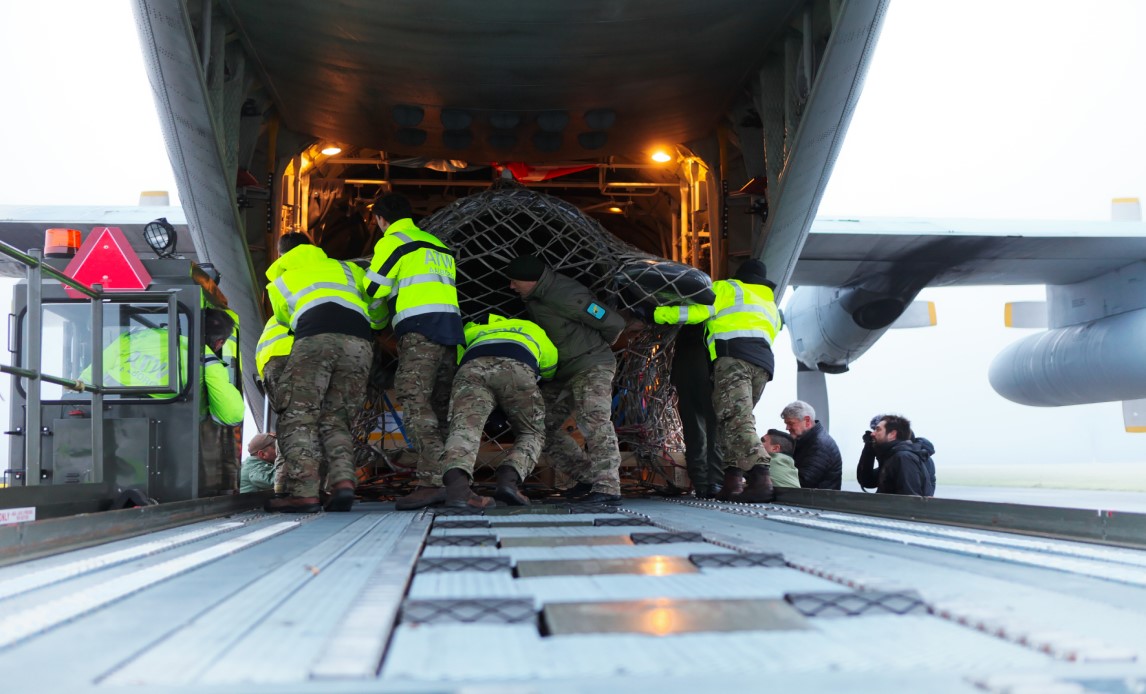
(905, 465)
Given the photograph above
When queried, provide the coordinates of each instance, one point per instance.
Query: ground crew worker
(229, 352)
(139, 358)
(270, 359)
(324, 379)
(499, 367)
(739, 329)
(583, 329)
(271, 355)
(413, 274)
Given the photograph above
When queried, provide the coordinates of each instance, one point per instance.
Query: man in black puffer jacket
(817, 456)
(905, 464)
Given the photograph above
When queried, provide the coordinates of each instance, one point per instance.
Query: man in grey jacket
(583, 329)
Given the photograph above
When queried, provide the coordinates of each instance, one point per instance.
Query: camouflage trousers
(588, 397)
(321, 387)
(422, 386)
(272, 375)
(738, 387)
(479, 386)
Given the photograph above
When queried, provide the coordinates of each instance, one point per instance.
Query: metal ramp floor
(657, 594)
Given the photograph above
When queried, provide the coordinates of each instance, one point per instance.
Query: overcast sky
(980, 109)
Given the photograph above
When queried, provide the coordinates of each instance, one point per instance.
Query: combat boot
(421, 497)
(459, 494)
(577, 490)
(759, 488)
(600, 498)
(293, 504)
(507, 491)
(733, 484)
(341, 497)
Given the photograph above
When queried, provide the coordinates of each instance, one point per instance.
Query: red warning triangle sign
(108, 259)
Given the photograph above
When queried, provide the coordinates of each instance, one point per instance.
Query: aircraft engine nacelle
(831, 326)
(1098, 361)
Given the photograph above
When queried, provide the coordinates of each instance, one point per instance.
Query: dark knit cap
(527, 268)
(753, 272)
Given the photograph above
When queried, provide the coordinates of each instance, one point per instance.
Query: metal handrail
(34, 261)
(70, 384)
(33, 417)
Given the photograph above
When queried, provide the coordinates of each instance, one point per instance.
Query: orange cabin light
(61, 243)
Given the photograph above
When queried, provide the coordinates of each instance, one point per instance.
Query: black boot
(600, 498)
(341, 497)
(759, 488)
(458, 492)
(507, 490)
(421, 497)
(733, 484)
(579, 489)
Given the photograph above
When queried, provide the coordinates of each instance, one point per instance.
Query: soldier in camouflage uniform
(414, 274)
(324, 380)
(739, 329)
(270, 361)
(499, 368)
(583, 329)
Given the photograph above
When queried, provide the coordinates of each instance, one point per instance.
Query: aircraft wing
(856, 277)
(845, 252)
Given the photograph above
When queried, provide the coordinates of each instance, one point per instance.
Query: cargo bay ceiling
(507, 80)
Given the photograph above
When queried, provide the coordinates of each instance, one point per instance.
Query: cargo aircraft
(704, 133)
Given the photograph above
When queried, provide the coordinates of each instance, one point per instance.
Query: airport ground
(1110, 486)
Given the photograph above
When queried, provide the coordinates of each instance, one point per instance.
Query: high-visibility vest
(276, 341)
(139, 358)
(518, 337)
(305, 278)
(741, 311)
(414, 273)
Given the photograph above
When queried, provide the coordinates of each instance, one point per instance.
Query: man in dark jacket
(905, 465)
(817, 455)
(583, 329)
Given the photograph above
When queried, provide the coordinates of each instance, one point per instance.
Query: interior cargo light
(615, 209)
(331, 150)
(161, 236)
(61, 243)
(661, 156)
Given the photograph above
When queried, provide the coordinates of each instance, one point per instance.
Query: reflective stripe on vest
(424, 309)
(768, 312)
(422, 279)
(295, 299)
(276, 341)
(380, 280)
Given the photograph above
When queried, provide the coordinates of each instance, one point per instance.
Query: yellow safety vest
(740, 311)
(139, 358)
(305, 278)
(514, 332)
(276, 341)
(416, 271)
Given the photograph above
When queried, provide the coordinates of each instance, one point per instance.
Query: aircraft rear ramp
(671, 595)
